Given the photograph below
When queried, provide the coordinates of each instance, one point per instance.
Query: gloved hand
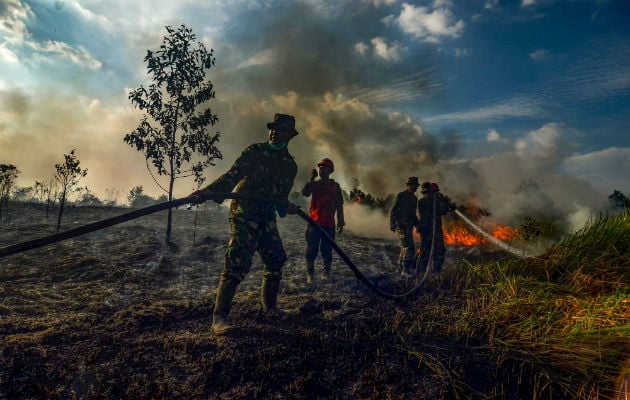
(340, 227)
(314, 174)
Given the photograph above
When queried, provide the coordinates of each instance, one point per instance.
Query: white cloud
(607, 170)
(385, 51)
(361, 48)
(265, 57)
(12, 16)
(545, 143)
(8, 55)
(79, 56)
(539, 55)
(490, 4)
(427, 25)
(518, 107)
(528, 3)
(493, 136)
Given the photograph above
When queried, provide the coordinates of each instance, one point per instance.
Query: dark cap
(425, 187)
(413, 180)
(283, 121)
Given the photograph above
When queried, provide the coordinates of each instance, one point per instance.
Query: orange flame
(504, 233)
(456, 234)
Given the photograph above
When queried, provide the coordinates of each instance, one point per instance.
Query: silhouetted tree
(46, 192)
(619, 200)
(137, 198)
(8, 174)
(174, 126)
(68, 176)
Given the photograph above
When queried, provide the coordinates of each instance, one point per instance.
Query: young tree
(111, 196)
(8, 174)
(46, 192)
(174, 126)
(68, 175)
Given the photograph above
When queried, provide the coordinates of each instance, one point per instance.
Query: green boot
(223, 304)
(269, 295)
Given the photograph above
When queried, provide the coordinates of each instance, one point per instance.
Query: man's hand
(340, 227)
(292, 209)
(313, 174)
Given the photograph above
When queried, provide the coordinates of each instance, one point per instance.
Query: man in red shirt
(326, 201)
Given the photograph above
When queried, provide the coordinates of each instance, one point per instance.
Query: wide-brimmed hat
(328, 162)
(413, 180)
(425, 187)
(284, 121)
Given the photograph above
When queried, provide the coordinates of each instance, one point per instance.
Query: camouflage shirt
(403, 215)
(263, 173)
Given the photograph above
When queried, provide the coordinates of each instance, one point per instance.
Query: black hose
(46, 240)
(350, 264)
(58, 237)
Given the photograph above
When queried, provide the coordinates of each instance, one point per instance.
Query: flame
(504, 233)
(456, 234)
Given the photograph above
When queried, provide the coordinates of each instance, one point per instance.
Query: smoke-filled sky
(522, 105)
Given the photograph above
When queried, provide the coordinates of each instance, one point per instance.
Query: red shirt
(326, 198)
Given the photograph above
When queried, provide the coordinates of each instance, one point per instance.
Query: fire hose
(46, 240)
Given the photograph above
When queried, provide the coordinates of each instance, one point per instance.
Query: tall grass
(565, 314)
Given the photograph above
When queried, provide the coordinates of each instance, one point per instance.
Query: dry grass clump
(565, 314)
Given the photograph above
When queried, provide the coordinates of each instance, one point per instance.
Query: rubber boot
(326, 274)
(310, 271)
(405, 272)
(223, 304)
(269, 296)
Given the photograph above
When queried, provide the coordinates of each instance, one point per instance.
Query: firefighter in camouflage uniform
(265, 172)
(432, 204)
(402, 220)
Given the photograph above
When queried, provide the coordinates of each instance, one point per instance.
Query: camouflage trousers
(407, 247)
(439, 251)
(247, 237)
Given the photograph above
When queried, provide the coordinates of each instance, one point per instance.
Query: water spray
(491, 238)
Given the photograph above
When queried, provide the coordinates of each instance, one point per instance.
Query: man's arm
(226, 182)
(307, 190)
(341, 222)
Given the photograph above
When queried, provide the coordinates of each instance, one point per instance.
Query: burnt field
(119, 314)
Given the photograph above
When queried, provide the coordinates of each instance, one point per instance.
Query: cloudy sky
(523, 106)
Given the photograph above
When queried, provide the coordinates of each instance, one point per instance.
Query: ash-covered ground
(119, 314)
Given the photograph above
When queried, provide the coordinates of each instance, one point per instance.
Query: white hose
(491, 238)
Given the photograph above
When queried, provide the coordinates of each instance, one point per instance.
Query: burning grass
(118, 314)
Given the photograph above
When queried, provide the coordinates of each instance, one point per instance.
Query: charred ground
(119, 314)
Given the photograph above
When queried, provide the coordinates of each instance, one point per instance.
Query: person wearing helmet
(402, 220)
(432, 204)
(326, 201)
(264, 172)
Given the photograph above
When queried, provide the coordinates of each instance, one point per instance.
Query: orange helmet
(328, 162)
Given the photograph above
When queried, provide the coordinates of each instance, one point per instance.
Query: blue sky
(522, 105)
